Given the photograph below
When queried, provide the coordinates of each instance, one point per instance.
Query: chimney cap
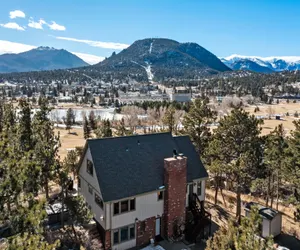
(181, 154)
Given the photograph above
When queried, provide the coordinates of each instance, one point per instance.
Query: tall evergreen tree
(47, 144)
(86, 128)
(71, 162)
(239, 147)
(92, 120)
(196, 124)
(121, 129)
(25, 128)
(292, 167)
(169, 119)
(69, 119)
(104, 130)
(274, 156)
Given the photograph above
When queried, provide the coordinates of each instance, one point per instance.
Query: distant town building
(181, 95)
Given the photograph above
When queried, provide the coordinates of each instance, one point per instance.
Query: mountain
(262, 64)
(159, 58)
(41, 58)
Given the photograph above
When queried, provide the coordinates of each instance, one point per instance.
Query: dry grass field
(69, 141)
(276, 109)
(289, 226)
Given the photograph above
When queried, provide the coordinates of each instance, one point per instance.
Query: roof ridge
(127, 136)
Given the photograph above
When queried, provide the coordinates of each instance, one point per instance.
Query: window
(79, 182)
(199, 188)
(131, 232)
(90, 189)
(116, 236)
(124, 206)
(124, 234)
(132, 204)
(98, 200)
(160, 195)
(89, 167)
(116, 208)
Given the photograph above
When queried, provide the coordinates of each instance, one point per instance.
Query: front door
(191, 189)
(157, 227)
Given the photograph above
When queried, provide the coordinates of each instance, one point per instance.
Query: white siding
(202, 196)
(146, 206)
(86, 179)
(276, 225)
(125, 245)
(265, 228)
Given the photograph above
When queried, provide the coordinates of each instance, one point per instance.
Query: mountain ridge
(161, 58)
(262, 64)
(40, 58)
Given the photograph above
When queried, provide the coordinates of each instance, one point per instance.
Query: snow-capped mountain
(262, 64)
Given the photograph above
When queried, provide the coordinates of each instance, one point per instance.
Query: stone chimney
(175, 193)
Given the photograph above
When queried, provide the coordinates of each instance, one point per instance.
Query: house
(138, 187)
(271, 219)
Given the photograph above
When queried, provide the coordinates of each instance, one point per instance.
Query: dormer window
(89, 167)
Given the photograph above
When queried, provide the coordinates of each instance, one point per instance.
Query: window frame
(127, 238)
(130, 228)
(199, 186)
(130, 208)
(116, 231)
(89, 167)
(123, 204)
(118, 206)
(129, 205)
(101, 203)
(90, 189)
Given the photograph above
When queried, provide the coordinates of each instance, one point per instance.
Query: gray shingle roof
(265, 212)
(132, 165)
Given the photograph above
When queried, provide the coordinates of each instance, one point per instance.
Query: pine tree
(239, 148)
(196, 124)
(86, 128)
(292, 167)
(25, 128)
(79, 212)
(47, 145)
(69, 119)
(71, 162)
(121, 129)
(274, 157)
(30, 242)
(104, 130)
(169, 119)
(241, 237)
(92, 120)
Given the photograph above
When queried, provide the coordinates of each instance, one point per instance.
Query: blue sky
(225, 27)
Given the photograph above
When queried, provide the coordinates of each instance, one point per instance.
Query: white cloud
(99, 44)
(14, 26)
(11, 47)
(17, 13)
(15, 48)
(90, 59)
(55, 26)
(36, 25)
